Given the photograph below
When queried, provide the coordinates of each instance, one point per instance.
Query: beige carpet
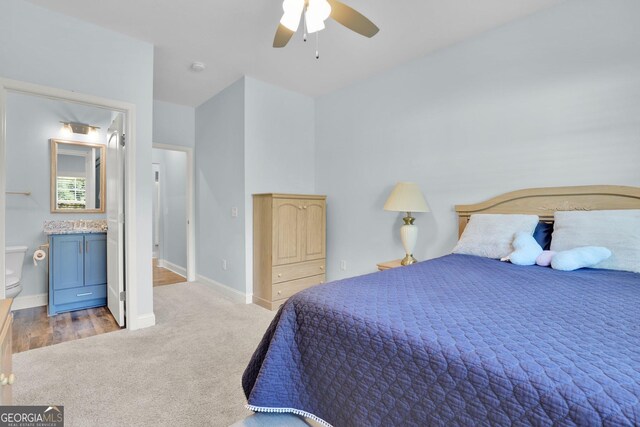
(184, 371)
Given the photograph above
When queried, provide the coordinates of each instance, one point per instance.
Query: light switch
(234, 212)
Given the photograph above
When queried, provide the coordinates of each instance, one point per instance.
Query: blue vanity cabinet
(77, 272)
(95, 259)
(68, 259)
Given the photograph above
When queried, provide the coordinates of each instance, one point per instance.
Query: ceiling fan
(315, 12)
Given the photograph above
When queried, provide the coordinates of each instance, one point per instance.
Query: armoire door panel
(287, 231)
(314, 229)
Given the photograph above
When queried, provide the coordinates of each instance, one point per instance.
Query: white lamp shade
(406, 197)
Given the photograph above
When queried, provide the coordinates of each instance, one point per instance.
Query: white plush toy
(526, 251)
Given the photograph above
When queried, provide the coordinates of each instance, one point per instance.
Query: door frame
(191, 218)
(129, 111)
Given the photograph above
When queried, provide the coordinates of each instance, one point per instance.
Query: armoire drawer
(285, 273)
(84, 293)
(286, 289)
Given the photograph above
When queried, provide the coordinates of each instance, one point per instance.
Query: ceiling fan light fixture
(314, 22)
(290, 21)
(320, 8)
(292, 12)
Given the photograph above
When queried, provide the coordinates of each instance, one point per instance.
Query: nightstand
(389, 264)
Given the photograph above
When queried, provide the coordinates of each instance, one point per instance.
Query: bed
(462, 340)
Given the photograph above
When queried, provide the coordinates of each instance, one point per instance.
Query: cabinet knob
(279, 274)
(279, 292)
(305, 207)
(3, 380)
(321, 282)
(300, 207)
(322, 267)
(12, 379)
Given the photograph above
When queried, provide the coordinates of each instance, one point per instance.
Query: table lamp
(407, 197)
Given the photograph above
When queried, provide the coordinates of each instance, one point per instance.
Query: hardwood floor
(32, 328)
(162, 276)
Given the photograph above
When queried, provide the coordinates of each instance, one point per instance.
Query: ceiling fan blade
(352, 19)
(283, 35)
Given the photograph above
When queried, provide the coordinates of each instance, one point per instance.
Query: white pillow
(618, 230)
(491, 235)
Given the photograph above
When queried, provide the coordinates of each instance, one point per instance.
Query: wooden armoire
(289, 246)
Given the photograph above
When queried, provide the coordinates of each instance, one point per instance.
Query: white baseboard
(144, 321)
(172, 267)
(228, 292)
(30, 301)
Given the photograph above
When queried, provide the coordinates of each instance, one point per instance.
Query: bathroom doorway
(58, 159)
(172, 215)
(70, 103)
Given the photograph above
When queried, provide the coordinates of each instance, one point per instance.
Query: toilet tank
(14, 258)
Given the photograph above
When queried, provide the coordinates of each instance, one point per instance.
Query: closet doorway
(172, 215)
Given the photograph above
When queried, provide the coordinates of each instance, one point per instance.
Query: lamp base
(408, 260)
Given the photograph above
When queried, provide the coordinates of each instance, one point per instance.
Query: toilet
(14, 259)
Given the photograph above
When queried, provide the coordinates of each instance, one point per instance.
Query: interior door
(115, 220)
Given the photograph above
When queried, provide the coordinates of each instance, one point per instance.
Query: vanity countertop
(75, 227)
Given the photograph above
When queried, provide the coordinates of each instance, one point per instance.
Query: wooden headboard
(545, 201)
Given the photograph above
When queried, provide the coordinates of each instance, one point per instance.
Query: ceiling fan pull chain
(304, 23)
(317, 46)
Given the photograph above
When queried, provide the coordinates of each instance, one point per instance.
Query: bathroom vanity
(77, 269)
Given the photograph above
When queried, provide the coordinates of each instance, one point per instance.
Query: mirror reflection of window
(79, 177)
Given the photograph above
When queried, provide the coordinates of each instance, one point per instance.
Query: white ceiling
(233, 38)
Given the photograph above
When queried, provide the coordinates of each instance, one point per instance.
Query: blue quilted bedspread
(456, 341)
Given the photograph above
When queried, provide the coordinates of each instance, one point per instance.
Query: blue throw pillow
(574, 259)
(543, 233)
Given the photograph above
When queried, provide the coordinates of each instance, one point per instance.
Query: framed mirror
(78, 178)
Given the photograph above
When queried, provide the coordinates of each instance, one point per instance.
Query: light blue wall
(550, 100)
(173, 202)
(47, 48)
(173, 124)
(220, 184)
(251, 138)
(31, 122)
(279, 148)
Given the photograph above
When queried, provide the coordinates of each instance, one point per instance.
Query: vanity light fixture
(69, 128)
(66, 130)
